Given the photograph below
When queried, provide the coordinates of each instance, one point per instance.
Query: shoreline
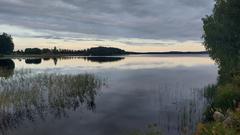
(15, 56)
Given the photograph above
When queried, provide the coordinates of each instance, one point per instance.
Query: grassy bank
(223, 113)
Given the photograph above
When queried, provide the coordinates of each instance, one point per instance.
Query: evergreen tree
(6, 44)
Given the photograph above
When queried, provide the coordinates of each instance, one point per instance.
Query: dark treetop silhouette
(95, 51)
(222, 36)
(6, 44)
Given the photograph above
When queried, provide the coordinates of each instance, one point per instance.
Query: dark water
(103, 96)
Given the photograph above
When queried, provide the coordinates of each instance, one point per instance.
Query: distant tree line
(96, 51)
(48, 51)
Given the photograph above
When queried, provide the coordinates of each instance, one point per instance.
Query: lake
(104, 95)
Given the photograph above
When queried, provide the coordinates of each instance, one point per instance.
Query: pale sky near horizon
(133, 25)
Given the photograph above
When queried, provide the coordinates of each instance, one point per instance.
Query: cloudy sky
(139, 25)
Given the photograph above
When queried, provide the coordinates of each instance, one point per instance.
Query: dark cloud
(152, 19)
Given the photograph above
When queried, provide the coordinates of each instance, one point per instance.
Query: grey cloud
(150, 19)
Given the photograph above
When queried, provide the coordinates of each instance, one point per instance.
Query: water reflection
(165, 90)
(6, 68)
(55, 61)
(47, 94)
(128, 62)
(103, 59)
(91, 59)
(46, 59)
(33, 61)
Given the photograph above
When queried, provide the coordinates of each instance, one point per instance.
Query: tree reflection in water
(6, 68)
(33, 61)
(103, 59)
(28, 96)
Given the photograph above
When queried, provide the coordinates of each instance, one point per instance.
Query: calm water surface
(103, 96)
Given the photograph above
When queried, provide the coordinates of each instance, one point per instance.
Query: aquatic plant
(32, 96)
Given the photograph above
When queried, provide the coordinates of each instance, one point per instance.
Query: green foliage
(221, 128)
(227, 97)
(235, 121)
(6, 44)
(215, 128)
(222, 40)
(222, 29)
(222, 97)
(210, 91)
(222, 37)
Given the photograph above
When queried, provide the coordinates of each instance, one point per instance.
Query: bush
(227, 97)
(230, 126)
(215, 128)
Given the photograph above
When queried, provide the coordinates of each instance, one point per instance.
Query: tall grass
(31, 96)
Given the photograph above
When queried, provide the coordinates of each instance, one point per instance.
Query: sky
(133, 25)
